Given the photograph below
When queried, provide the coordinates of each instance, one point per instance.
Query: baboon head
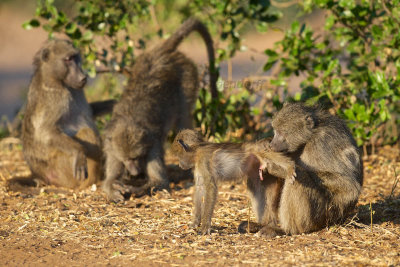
(184, 147)
(131, 147)
(293, 127)
(60, 62)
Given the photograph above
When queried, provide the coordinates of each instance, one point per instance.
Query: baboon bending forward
(160, 94)
(213, 163)
(60, 141)
(329, 168)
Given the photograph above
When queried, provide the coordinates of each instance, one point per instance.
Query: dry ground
(47, 226)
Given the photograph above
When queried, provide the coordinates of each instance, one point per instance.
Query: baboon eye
(69, 58)
(185, 146)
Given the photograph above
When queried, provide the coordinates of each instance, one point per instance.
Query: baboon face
(184, 153)
(131, 149)
(63, 62)
(293, 127)
(184, 147)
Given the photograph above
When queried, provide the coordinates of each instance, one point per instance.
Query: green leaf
(376, 32)
(33, 23)
(329, 22)
(87, 36)
(70, 27)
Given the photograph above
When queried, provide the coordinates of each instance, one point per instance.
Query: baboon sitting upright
(60, 141)
(160, 94)
(329, 168)
(214, 163)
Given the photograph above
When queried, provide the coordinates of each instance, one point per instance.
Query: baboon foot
(270, 231)
(118, 193)
(249, 227)
(116, 197)
(148, 189)
(205, 229)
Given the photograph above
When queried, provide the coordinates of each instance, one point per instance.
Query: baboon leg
(198, 202)
(256, 191)
(208, 197)
(273, 192)
(92, 146)
(303, 206)
(265, 196)
(113, 170)
(59, 171)
(190, 88)
(156, 173)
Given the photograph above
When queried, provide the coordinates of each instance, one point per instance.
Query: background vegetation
(351, 66)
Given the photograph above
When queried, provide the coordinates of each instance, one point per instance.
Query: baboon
(250, 162)
(160, 94)
(60, 141)
(329, 168)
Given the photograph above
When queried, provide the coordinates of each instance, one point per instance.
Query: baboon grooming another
(328, 167)
(160, 94)
(213, 163)
(60, 141)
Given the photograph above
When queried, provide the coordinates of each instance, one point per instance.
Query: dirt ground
(47, 226)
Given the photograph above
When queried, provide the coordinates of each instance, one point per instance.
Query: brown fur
(328, 166)
(161, 93)
(214, 163)
(60, 141)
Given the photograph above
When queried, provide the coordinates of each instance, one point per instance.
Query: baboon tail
(187, 27)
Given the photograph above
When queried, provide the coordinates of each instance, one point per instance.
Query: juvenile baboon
(160, 94)
(328, 167)
(214, 163)
(60, 141)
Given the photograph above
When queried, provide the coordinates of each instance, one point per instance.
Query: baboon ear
(309, 122)
(185, 146)
(45, 54)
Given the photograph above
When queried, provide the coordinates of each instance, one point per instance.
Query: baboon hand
(292, 176)
(205, 229)
(266, 165)
(195, 223)
(260, 172)
(80, 166)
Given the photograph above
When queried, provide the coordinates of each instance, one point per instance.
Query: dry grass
(53, 226)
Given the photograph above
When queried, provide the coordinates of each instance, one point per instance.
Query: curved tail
(187, 27)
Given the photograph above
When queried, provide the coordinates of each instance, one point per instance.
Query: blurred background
(18, 46)
(341, 54)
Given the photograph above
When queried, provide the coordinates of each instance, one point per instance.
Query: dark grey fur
(161, 93)
(328, 165)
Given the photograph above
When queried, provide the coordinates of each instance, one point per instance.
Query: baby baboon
(213, 163)
(160, 94)
(328, 167)
(60, 140)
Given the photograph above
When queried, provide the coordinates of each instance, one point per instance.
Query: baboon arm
(62, 141)
(344, 187)
(279, 166)
(100, 108)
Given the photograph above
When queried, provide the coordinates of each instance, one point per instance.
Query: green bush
(352, 65)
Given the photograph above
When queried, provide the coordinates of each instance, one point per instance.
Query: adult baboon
(328, 166)
(214, 163)
(60, 141)
(161, 93)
